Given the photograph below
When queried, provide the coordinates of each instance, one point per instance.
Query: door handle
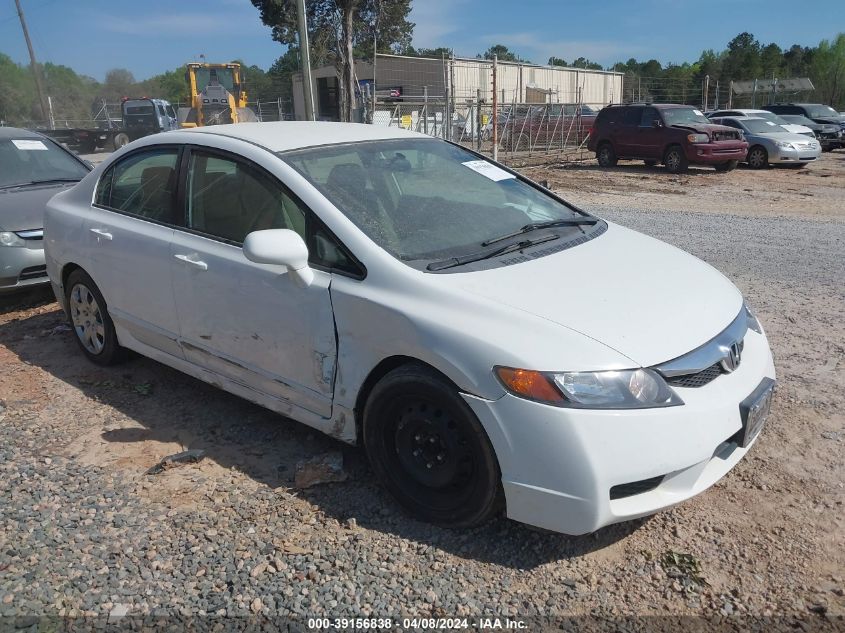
(102, 233)
(196, 263)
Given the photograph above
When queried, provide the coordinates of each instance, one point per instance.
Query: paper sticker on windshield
(698, 112)
(770, 123)
(489, 170)
(28, 144)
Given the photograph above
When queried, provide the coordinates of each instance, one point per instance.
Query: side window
(143, 184)
(648, 117)
(229, 199)
(632, 116)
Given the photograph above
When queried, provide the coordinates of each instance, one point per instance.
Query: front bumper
(559, 465)
(22, 267)
(715, 153)
(781, 155)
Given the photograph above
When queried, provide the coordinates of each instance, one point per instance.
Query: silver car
(32, 170)
(769, 143)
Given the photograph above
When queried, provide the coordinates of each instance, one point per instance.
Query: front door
(648, 137)
(128, 231)
(249, 322)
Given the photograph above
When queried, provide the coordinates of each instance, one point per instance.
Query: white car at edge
(492, 346)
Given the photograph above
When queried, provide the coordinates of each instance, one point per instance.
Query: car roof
(16, 132)
(280, 136)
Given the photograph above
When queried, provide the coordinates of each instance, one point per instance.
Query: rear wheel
(429, 449)
(119, 140)
(605, 155)
(90, 320)
(727, 166)
(675, 160)
(758, 157)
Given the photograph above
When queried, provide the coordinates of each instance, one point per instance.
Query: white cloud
(537, 48)
(434, 20)
(184, 24)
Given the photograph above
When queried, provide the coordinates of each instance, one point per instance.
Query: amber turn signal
(529, 384)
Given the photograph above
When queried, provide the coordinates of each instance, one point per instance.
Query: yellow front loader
(217, 96)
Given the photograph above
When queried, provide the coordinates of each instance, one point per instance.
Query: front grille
(33, 272)
(699, 379)
(635, 488)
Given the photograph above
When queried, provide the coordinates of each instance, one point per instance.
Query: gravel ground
(84, 531)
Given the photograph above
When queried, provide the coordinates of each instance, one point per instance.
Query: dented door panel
(253, 324)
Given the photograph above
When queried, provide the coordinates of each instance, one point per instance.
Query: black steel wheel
(605, 155)
(429, 450)
(675, 160)
(89, 318)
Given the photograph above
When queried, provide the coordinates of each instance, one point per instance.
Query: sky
(151, 36)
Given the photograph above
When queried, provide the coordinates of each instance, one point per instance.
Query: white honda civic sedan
(490, 345)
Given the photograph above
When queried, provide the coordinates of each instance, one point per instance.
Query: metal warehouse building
(399, 78)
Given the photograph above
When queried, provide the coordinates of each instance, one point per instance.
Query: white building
(416, 79)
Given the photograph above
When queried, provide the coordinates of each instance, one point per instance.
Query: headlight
(7, 238)
(784, 145)
(751, 320)
(618, 389)
(698, 138)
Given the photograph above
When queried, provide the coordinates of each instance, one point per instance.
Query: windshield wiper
(543, 225)
(478, 256)
(40, 182)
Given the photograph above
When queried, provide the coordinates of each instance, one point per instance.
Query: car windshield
(797, 119)
(769, 116)
(424, 199)
(822, 111)
(761, 126)
(683, 116)
(30, 159)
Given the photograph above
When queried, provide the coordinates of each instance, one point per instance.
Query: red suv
(675, 135)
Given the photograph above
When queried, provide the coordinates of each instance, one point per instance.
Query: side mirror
(656, 123)
(280, 247)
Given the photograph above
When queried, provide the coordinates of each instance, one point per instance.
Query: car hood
(22, 208)
(704, 128)
(641, 297)
(796, 128)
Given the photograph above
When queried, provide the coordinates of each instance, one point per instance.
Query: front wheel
(605, 155)
(675, 160)
(429, 450)
(727, 166)
(758, 157)
(90, 320)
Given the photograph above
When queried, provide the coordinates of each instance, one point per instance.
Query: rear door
(128, 229)
(249, 322)
(624, 131)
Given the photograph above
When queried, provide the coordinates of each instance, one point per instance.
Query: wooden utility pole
(495, 131)
(45, 112)
(305, 58)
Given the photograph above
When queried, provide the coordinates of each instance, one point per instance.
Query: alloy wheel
(87, 318)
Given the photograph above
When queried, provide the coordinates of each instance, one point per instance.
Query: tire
(90, 321)
(727, 166)
(119, 140)
(605, 155)
(675, 160)
(429, 450)
(650, 162)
(758, 157)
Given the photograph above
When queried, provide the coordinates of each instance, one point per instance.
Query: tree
(119, 83)
(742, 59)
(557, 61)
(440, 52)
(771, 61)
(335, 27)
(583, 62)
(828, 70)
(502, 53)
